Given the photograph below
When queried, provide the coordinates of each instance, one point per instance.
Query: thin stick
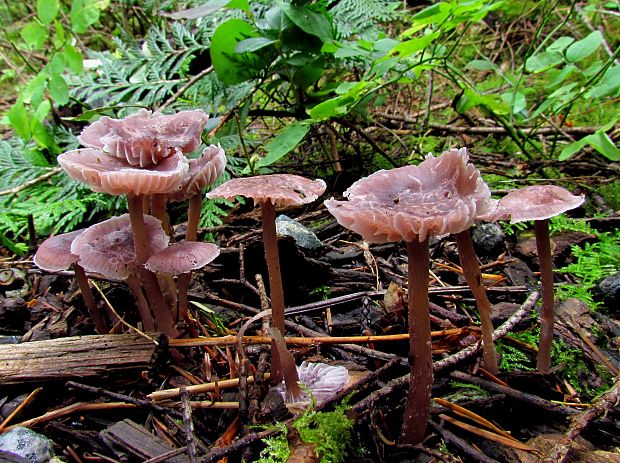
(20, 407)
(167, 394)
(304, 341)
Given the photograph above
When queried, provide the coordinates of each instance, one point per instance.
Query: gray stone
(22, 444)
(608, 289)
(488, 239)
(285, 226)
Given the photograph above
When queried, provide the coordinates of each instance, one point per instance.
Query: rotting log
(80, 357)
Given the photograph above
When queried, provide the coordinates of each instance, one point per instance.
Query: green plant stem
(270, 241)
(473, 276)
(163, 315)
(417, 409)
(547, 312)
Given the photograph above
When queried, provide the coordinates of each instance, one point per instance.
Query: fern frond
(361, 16)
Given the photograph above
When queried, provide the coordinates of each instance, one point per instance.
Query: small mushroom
(182, 257)
(440, 195)
(108, 248)
(320, 381)
(540, 203)
(54, 254)
(145, 138)
(270, 191)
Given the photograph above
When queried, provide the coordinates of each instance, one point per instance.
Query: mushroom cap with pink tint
(105, 173)
(279, 189)
(54, 254)
(537, 202)
(202, 172)
(107, 247)
(441, 195)
(145, 138)
(182, 257)
(322, 380)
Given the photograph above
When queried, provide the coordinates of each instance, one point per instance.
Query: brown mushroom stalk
(473, 276)
(417, 410)
(547, 310)
(135, 286)
(163, 314)
(158, 210)
(294, 393)
(89, 299)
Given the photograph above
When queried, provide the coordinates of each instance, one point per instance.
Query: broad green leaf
(609, 84)
(85, 13)
(74, 58)
(42, 136)
(470, 99)
(284, 142)
(584, 47)
(232, 67)
(543, 61)
(47, 10)
(308, 21)
(557, 76)
(276, 20)
(560, 44)
(58, 39)
(431, 15)
(601, 142)
(34, 34)
(33, 93)
(253, 44)
(308, 74)
(412, 46)
(208, 8)
(519, 104)
(42, 110)
(20, 120)
(59, 91)
(481, 65)
(572, 148)
(56, 65)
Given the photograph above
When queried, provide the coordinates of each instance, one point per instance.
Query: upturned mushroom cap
(105, 173)
(108, 248)
(279, 189)
(202, 172)
(537, 202)
(182, 257)
(322, 380)
(441, 195)
(145, 138)
(54, 254)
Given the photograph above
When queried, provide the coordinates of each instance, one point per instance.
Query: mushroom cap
(145, 138)
(182, 257)
(105, 173)
(107, 247)
(323, 381)
(54, 254)
(537, 202)
(202, 172)
(442, 194)
(279, 189)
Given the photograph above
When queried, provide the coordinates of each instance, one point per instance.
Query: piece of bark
(80, 357)
(130, 440)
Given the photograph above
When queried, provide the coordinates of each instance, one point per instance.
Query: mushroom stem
(417, 409)
(547, 312)
(163, 315)
(89, 299)
(473, 276)
(158, 209)
(294, 393)
(270, 241)
(143, 307)
(193, 215)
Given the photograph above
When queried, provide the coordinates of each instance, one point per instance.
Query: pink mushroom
(441, 195)
(145, 138)
(53, 255)
(108, 248)
(270, 191)
(540, 203)
(182, 257)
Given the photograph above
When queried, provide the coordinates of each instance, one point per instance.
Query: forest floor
(338, 289)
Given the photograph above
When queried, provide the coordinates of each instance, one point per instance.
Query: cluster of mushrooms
(143, 156)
